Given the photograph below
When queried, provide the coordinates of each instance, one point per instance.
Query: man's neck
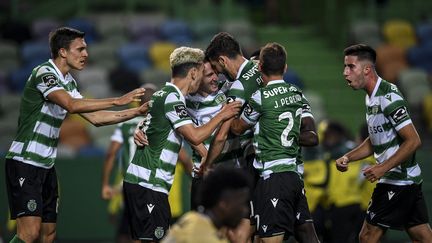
(182, 84)
(236, 64)
(61, 65)
(266, 79)
(370, 84)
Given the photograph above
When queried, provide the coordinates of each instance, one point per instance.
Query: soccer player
(225, 192)
(225, 56)
(276, 112)
(49, 94)
(397, 201)
(202, 106)
(121, 140)
(150, 174)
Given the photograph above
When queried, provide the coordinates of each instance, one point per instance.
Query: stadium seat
(9, 56)
(365, 31)
(35, 52)
(41, 28)
(400, 33)
(111, 27)
(103, 54)
(93, 82)
(156, 76)
(159, 53)
(427, 111)
(421, 57)
(145, 28)
(134, 57)
(414, 85)
(176, 31)
(84, 25)
(391, 59)
(18, 78)
(204, 30)
(424, 33)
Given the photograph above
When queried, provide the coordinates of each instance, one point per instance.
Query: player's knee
(30, 234)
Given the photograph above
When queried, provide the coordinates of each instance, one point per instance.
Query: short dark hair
(223, 44)
(218, 182)
(273, 59)
(362, 51)
(61, 38)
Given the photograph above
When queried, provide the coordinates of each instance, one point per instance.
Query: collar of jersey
(376, 87)
(241, 68)
(60, 74)
(278, 81)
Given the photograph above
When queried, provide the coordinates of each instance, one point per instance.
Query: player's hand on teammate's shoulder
(134, 95)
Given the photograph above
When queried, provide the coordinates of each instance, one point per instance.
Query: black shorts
(32, 191)
(397, 207)
(277, 200)
(148, 212)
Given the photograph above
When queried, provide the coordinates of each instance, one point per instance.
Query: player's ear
(63, 52)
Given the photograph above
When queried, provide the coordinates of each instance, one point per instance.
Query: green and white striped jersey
(39, 119)
(153, 166)
(276, 111)
(202, 110)
(124, 134)
(386, 114)
(248, 81)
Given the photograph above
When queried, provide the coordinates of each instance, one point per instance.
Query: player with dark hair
(276, 112)
(397, 201)
(49, 94)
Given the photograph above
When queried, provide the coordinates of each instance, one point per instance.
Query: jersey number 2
(284, 136)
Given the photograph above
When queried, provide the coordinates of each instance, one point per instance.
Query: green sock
(16, 239)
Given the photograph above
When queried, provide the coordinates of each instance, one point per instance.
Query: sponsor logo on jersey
(181, 111)
(159, 232)
(399, 114)
(31, 205)
(50, 80)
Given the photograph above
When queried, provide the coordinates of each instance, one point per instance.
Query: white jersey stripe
(139, 171)
(46, 130)
(42, 149)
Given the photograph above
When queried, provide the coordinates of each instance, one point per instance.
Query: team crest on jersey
(159, 232)
(32, 205)
(374, 109)
(220, 98)
(50, 80)
(181, 111)
(399, 114)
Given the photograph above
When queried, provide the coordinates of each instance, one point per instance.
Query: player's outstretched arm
(103, 118)
(73, 105)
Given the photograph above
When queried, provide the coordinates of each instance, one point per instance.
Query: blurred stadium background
(129, 44)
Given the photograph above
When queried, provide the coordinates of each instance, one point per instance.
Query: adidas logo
(274, 201)
(390, 194)
(150, 207)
